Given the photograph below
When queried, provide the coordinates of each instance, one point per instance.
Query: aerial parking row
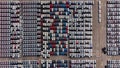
(20, 64)
(5, 31)
(113, 64)
(48, 64)
(113, 2)
(80, 37)
(55, 35)
(31, 34)
(54, 64)
(99, 11)
(82, 64)
(112, 47)
(31, 30)
(68, 63)
(16, 31)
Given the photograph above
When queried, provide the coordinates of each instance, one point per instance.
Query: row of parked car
(48, 64)
(68, 63)
(99, 11)
(82, 64)
(20, 64)
(80, 32)
(113, 64)
(31, 30)
(113, 1)
(112, 47)
(5, 31)
(16, 33)
(55, 28)
(54, 64)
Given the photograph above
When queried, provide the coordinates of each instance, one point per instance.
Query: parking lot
(99, 40)
(99, 37)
